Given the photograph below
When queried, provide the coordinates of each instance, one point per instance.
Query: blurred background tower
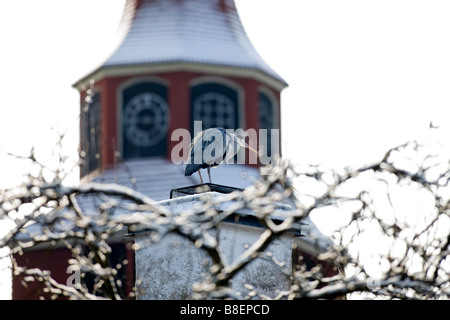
(177, 61)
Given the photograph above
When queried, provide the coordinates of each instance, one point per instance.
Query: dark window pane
(91, 136)
(145, 120)
(215, 105)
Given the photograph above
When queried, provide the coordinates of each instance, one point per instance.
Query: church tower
(178, 61)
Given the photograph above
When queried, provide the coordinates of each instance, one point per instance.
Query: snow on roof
(192, 31)
(156, 177)
(153, 177)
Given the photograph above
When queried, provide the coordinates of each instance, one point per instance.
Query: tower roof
(194, 32)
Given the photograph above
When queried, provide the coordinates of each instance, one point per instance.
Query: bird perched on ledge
(212, 147)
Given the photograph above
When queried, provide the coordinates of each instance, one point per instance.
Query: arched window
(145, 120)
(266, 119)
(215, 105)
(266, 114)
(90, 136)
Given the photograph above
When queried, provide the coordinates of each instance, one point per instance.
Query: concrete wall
(168, 269)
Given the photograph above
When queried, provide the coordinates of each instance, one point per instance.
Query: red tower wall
(178, 101)
(56, 261)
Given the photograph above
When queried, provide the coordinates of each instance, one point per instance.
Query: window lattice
(214, 110)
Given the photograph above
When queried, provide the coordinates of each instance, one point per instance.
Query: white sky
(363, 75)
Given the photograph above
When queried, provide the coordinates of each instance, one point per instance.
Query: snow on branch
(390, 221)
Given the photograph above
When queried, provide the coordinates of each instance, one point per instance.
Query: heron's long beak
(248, 146)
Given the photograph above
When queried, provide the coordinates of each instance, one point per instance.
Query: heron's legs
(209, 174)
(201, 180)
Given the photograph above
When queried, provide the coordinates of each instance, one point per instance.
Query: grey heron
(213, 147)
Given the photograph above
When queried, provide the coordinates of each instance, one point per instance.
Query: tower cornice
(128, 70)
